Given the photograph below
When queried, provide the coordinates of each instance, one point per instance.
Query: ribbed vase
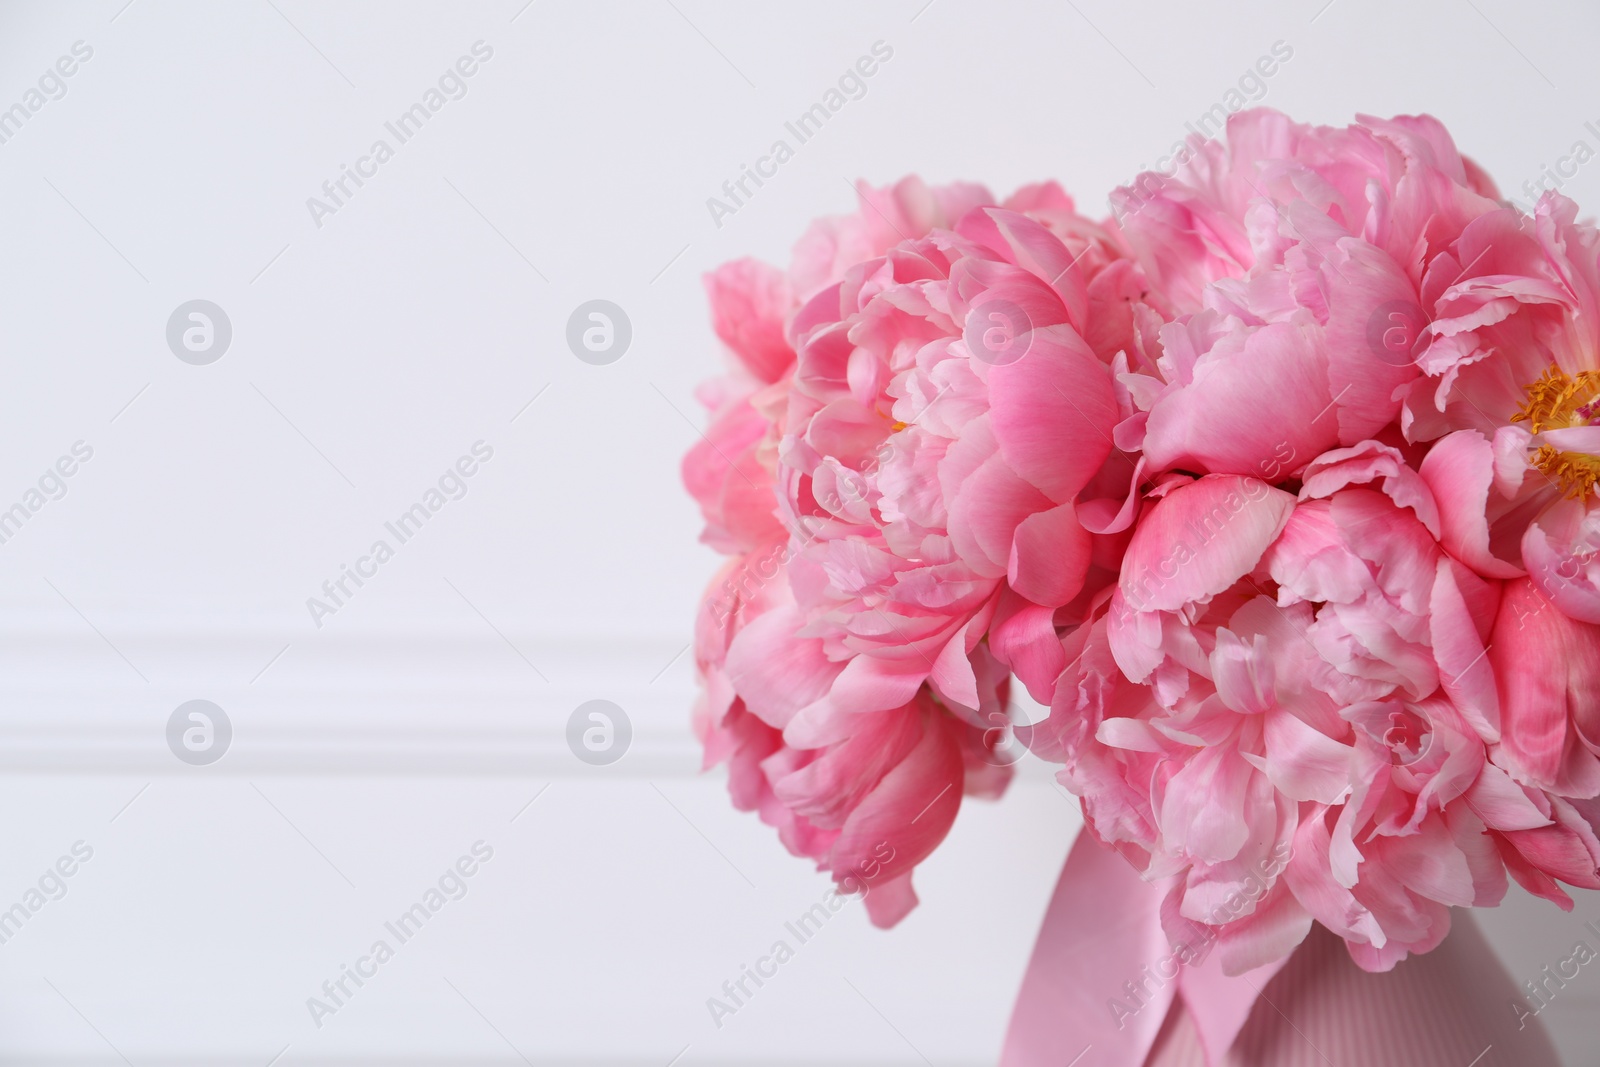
(1453, 1007)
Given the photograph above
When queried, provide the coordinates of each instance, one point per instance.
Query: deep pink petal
(1052, 412)
(1049, 556)
(909, 812)
(1548, 669)
(1459, 469)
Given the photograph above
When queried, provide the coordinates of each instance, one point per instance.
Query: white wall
(372, 351)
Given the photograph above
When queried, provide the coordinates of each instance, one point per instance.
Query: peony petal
(1429, 863)
(1459, 470)
(1304, 763)
(908, 813)
(1465, 670)
(1548, 669)
(889, 900)
(749, 303)
(986, 508)
(1023, 637)
(1200, 539)
(1363, 282)
(1268, 935)
(1052, 412)
(776, 672)
(1501, 803)
(1367, 462)
(1049, 556)
(1559, 565)
(1199, 427)
(873, 683)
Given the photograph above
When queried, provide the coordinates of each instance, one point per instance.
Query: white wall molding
(406, 701)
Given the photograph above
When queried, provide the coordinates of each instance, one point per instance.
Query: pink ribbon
(1103, 976)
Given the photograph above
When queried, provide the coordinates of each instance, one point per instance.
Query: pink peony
(1280, 489)
(949, 407)
(870, 796)
(1278, 260)
(1287, 705)
(729, 473)
(869, 806)
(1511, 354)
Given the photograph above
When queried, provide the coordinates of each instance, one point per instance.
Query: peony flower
(870, 796)
(1280, 490)
(1288, 706)
(868, 805)
(949, 407)
(1511, 399)
(1278, 260)
(729, 473)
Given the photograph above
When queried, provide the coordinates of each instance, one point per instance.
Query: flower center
(1559, 401)
(1407, 736)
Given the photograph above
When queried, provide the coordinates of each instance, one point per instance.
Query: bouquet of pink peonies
(1278, 488)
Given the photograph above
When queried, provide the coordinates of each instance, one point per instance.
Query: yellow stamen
(1559, 401)
(1573, 471)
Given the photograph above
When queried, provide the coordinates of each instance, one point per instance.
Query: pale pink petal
(1200, 539)
(1501, 803)
(1304, 763)
(1370, 461)
(1201, 427)
(873, 683)
(776, 672)
(749, 303)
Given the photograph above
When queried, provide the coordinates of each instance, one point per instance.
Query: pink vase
(1453, 1007)
(1103, 990)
